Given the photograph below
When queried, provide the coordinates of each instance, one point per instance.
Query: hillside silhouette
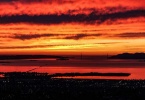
(129, 56)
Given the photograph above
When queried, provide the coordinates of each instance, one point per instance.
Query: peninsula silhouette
(129, 56)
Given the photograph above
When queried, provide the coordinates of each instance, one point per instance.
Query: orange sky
(96, 27)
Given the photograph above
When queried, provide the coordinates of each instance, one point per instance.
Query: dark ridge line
(128, 56)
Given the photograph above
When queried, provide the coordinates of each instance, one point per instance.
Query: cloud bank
(93, 17)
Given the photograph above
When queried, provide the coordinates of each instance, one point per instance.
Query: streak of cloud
(31, 36)
(105, 43)
(54, 36)
(56, 45)
(80, 36)
(63, 6)
(131, 35)
(67, 18)
(25, 47)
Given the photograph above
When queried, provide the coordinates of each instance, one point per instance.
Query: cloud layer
(67, 18)
(52, 36)
(131, 35)
(73, 25)
(36, 7)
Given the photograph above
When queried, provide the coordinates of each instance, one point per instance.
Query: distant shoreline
(15, 57)
(128, 56)
(45, 75)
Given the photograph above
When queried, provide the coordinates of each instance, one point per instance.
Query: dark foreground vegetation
(41, 87)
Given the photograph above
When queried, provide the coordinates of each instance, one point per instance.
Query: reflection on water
(137, 69)
(136, 73)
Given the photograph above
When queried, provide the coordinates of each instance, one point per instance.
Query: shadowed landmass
(15, 57)
(129, 56)
(46, 75)
(36, 86)
(89, 74)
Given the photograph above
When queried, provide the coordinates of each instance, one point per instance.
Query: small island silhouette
(128, 56)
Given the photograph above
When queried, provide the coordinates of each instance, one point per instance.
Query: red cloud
(39, 7)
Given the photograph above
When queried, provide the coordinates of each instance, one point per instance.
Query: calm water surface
(135, 67)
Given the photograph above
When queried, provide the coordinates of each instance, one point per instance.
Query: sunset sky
(91, 27)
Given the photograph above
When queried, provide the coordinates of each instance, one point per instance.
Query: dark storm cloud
(131, 35)
(80, 36)
(67, 18)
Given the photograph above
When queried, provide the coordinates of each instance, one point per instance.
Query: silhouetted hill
(129, 56)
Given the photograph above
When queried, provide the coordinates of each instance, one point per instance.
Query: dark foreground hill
(129, 56)
(45, 88)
